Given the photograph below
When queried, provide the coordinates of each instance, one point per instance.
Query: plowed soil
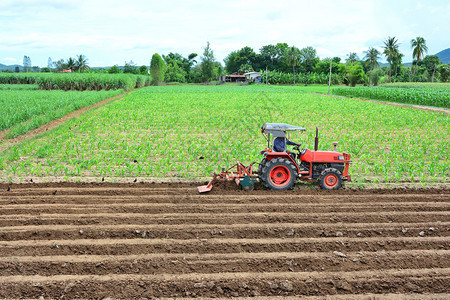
(165, 240)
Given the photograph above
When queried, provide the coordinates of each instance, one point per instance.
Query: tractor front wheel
(279, 174)
(330, 179)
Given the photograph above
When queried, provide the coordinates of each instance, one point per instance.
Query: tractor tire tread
(328, 170)
(265, 173)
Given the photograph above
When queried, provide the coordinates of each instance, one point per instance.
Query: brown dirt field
(127, 241)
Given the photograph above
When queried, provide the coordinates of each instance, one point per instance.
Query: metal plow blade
(204, 188)
(237, 173)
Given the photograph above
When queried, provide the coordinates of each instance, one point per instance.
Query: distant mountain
(444, 56)
(11, 67)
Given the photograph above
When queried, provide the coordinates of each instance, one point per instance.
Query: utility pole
(329, 81)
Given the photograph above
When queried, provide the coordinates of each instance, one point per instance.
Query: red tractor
(280, 170)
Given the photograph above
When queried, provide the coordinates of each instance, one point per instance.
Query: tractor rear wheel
(261, 166)
(330, 179)
(279, 174)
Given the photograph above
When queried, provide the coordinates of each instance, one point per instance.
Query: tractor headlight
(340, 157)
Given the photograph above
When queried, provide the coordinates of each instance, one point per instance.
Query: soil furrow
(62, 197)
(103, 240)
(12, 204)
(172, 209)
(208, 264)
(244, 230)
(230, 284)
(148, 245)
(195, 218)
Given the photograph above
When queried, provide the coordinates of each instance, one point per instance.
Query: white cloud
(10, 59)
(110, 32)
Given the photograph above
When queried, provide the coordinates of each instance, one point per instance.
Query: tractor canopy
(279, 129)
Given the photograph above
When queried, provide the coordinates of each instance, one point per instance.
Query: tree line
(279, 64)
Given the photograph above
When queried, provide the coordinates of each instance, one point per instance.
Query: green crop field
(191, 131)
(18, 87)
(438, 96)
(24, 108)
(77, 81)
(430, 85)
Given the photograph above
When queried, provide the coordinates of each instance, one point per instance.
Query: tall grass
(77, 82)
(439, 97)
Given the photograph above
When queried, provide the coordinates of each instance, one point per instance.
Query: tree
(60, 65)
(372, 56)
(26, 64)
(397, 61)
(244, 56)
(323, 67)
(50, 63)
(207, 64)
(188, 64)
(444, 72)
(114, 69)
(81, 63)
(352, 57)
(218, 69)
(71, 64)
(174, 72)
(429, 62)
(16, 69)
(184, 63)
(355, 73)
(390, 51)
(419, 48)
(157, 69)
(245, 68)
(130, 67)
(271, 57)
(308, 59)
(143, 70)
(292, 57)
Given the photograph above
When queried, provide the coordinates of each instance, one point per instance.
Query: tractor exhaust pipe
(316, 140)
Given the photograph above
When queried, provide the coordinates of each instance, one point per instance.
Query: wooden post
(329, 81)
(266, 75)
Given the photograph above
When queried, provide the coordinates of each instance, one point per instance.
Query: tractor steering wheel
(300, 151)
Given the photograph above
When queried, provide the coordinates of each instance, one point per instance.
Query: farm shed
(253, 76)
(235, 77)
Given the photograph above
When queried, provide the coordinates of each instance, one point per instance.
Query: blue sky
(112, 32)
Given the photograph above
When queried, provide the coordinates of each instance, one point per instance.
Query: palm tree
(419, 48)
(81, 63)
(372, 57)
(292, 56)
(397, 60)
(390, 51)
(352, 57)
(71, 64)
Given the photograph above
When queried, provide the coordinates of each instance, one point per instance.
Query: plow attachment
(242, 175)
